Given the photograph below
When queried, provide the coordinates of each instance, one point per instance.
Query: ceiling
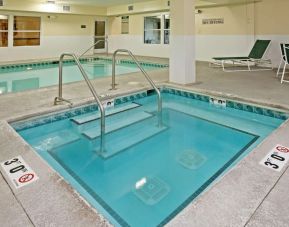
(102, 3)
(106, 3)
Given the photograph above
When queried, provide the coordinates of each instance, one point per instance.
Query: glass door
(100, 34)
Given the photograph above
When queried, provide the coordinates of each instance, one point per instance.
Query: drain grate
(152, 191)
(191, 159)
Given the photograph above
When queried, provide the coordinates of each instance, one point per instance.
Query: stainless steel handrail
(99, 41)
(60, 99)
(113, 84)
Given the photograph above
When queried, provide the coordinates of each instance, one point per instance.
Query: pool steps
(122, 139)
(82, 119)
(142, 125)
(115, 123)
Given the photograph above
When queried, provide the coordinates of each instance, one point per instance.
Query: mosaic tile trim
(231, 104)
(191, 95)
(48, 64)
(18, 126)
(258, 110)
(129, 98)
(125, 61)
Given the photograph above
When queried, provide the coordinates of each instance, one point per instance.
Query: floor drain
(152, 190)
(191, 159)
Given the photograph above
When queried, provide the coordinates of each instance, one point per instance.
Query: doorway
(100, 34)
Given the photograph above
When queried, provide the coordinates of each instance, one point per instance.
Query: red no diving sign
(26, 178)
(277, 158)
(19, 172)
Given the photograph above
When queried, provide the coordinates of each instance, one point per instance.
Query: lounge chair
(251, 63)
(284, 59)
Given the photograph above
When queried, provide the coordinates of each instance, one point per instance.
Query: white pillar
(182, 42)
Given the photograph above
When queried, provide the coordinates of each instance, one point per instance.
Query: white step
(82, 119)
(114, 123)
(54, 140)
(127, 137)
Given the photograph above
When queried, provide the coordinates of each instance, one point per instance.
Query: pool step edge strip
(79, 120)
(94, 132)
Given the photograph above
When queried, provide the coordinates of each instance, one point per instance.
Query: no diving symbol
(26, 178)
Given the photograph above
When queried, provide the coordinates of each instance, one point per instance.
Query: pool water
(149, 173)
(27, 78)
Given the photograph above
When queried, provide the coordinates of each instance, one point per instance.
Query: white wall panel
(136, 44)
(50, 47)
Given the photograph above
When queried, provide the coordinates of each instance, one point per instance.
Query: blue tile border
(51, 64)
(38, 121)
(231, 104)
(187, 94)
(130, 98)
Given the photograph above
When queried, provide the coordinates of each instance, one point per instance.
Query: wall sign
(213, 21)
(19, 172)
(276, 158)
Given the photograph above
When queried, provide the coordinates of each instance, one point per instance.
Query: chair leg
(223, 65)
(280, 65)
(284, 69)
(248, 65)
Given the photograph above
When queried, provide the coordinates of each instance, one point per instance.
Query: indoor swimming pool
(148, 172)
(22, 77)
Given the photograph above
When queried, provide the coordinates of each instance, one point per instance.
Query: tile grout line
(18, 201)
(269, 192)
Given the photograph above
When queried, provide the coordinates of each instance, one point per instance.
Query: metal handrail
(113, 84)
(99, 41)
(60, 99)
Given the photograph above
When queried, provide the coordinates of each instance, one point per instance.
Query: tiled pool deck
(248, 195)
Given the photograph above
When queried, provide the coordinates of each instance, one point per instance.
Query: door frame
(105, 20)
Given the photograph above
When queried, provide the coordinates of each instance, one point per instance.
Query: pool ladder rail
(60, 98)
(113, 84)
(99, 41)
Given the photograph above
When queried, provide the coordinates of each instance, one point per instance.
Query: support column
(182, 42)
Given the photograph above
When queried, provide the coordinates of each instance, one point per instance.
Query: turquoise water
(148, 173)
(29, 78)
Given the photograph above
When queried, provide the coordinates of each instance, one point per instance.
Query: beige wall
(68, 25)
(42, 6)
(143, 7)
(238, 20)
(59, 33)
(60, 24)
(272, 17)
(136, 24)
(243, 23)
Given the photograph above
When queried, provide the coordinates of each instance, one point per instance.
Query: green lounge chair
(251, 63)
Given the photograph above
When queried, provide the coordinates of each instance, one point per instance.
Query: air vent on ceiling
(130, 8)
(1, 2)
(66, 8)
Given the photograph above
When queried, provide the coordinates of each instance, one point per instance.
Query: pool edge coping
(286, 123)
